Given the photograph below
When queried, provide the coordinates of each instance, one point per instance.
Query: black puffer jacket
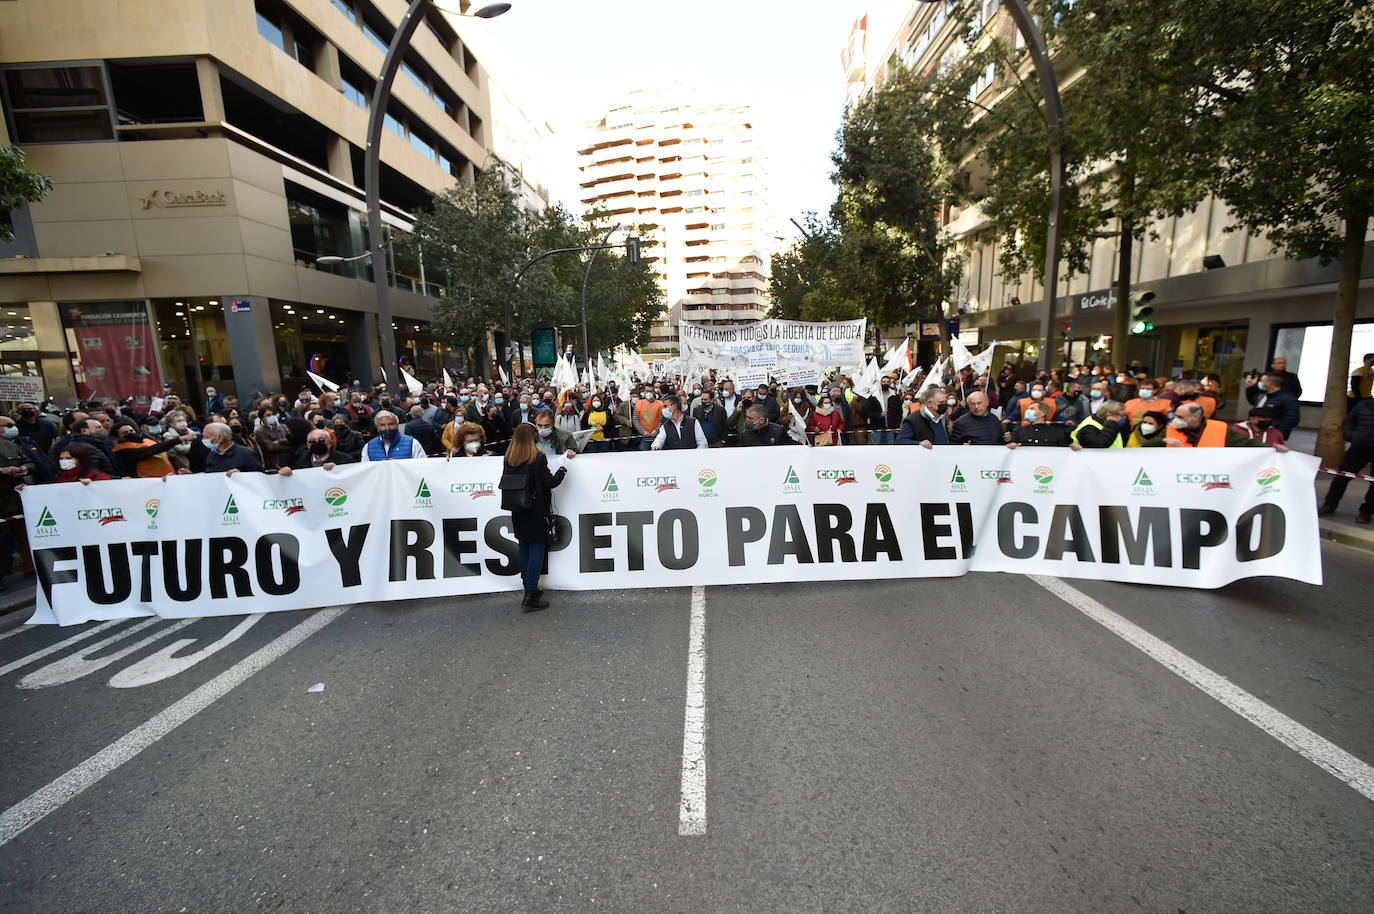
(1358, 427)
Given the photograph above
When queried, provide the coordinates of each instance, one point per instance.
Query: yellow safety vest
(1116, 442)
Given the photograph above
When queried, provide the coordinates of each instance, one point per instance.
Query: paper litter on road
(317, 687)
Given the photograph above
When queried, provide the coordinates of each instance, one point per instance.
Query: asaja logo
(289, 505)
(883, 473)
(657, 483)
(1043, 476)
(1208, 481)
(841, 477)
(610, 491)
(423, 498)
(47, 524)
(706, 478)
(1269, 480)
(105, 516)
(957, 482)
(1143, 484)
(473, 489)
(336, 498)
(230, 515)
(791, 482)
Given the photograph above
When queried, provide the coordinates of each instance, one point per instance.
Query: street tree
(18, 185)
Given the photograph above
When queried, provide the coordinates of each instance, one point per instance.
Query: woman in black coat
(531, 523)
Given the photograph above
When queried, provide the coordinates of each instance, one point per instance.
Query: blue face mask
(1096, 395)
(208, 443)
(155, 430)
(11, 431)
(390, 434)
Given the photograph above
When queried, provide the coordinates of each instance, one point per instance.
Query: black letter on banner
(691, 540)
(562, 540)
(290, 549)
(789, 537)
(932, 531)
(500, 537)
(1068, 516)
(455, 547)
(738, 532)
(171, 577)
(348, 552)
(833, 523)
(147, 549)
(879, 535)
(1007, 517)
(403, 550)
(965, 514)
(1153, 527)
(1273, 527)
(43, 562)
(589, 541)
(122, 586)
(228, 555)
(634, 523)
(1194, 539)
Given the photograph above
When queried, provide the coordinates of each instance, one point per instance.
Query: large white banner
(750, 353)
(211, 545)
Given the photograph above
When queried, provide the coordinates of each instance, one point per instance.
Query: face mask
(11, 431)
(100, 434)
(544, 432)
(66, 463)
(524, 406)
(1262, 424)
(271, 420)
(1037, 395)
(27, 415)
(1148, 428)
(155, 430)
(596, 404)
(236, 429)
(1030, 415)
(319, 448)
(500, 399)
(472, 446)
(941, 408)
(1121, 379)
(1179, 422)
(390, 434)
(758, 425)
(1147, 395)
(1096, 395)
(210, 445)
(210, 394)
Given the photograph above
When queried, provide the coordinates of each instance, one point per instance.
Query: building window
(59, 104)
(269, 29)
(347, 10)
(304, 56)
(425, 149)
(415, 78)
(394, 125)
(374, 38)
(354, 94)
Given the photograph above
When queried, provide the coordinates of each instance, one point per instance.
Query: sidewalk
(18, 596)
(1339, 527)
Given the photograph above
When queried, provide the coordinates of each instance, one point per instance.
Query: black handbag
(515, 489)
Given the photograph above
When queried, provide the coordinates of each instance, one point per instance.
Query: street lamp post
(586, 351)
(372, 169)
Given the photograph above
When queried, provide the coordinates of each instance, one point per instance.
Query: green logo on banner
(231, 507)
(46, 519)
(423, 491)
(1142, 478)
(610, 485)
(958, 476)
(1043, 475)
(792, 478)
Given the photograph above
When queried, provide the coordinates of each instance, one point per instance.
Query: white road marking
(17, 630)
(164, 665)
(45, 800)
(74, 667)
(61, 645)
(692, 815)
(1316, 749)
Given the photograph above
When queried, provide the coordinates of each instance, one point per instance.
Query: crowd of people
(1087, 406)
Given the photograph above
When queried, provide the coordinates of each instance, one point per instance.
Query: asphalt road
(972, 744)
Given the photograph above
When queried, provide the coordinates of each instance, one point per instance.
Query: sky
(564, 62)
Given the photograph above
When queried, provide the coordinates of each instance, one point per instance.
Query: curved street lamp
(376, 118)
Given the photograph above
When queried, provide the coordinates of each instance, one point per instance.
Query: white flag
(982, 362)
(412, 385)
(322, 383)
(448, 382)
(896, 357)
(960, 354)
(935, 378)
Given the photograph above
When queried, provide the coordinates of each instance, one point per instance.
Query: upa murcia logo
(47, 524)
(997, 476)
(1208, 481)
(473, 489)
(707, 478)
(657, 483)
(610, 491)
(151, 507)
(230, 515)
(289, 505)
(957, 482)
(1043, 477)
(336, 498)
(841, 477)
(423, 498)
(102, 516)
(1268, 480)
(883, 473)
(1142, 484)
(791, 482)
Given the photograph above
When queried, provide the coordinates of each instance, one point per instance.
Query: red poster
(114, 350)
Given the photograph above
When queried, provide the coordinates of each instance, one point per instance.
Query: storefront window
(113, 349)
(421, 351)
(195, 347)
(1308, 351)
(314, 339)
(19, 356)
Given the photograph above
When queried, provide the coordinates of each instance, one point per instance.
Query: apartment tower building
(695, 177)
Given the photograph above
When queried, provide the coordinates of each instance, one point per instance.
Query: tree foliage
(18, 186)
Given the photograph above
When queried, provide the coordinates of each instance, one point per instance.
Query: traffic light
(632, 250)
(1066, 328)
(1140, 313)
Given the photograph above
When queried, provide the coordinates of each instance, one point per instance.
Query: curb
(1347, 535)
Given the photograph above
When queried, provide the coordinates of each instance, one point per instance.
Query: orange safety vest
(1213, 434)
(650, 414)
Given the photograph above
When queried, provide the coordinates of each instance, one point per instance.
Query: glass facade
(194, 346)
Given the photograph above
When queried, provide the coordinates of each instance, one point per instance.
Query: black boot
(532, 603)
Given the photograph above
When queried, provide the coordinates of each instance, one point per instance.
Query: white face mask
(544, 432)
(1179, 422)
(472, 446)
(1147, 395)
(1148, 428)
(67, 463)
(1037, 395)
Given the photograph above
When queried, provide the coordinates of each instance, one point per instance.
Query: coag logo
(104, 516)
(791, 482)
(883, 473)
(997, 476)
(657, 483)
(706, 478)
(336, 498)
(423, 498)
(841, 477)
(1268, 479)
(289, 505)
(472, 489)
(1208, 481)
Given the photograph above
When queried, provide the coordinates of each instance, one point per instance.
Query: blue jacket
(1283, 403)
(402, 449)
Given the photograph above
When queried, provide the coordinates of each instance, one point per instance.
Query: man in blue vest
(678, 432)
(390, 444)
